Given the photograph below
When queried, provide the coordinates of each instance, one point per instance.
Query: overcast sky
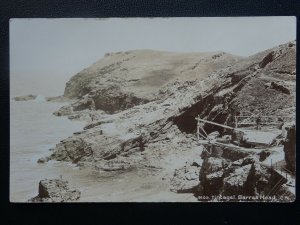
(50, 51)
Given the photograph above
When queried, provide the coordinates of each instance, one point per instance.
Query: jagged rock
(249, 160)
(213, 183)
(290, 148)
(95, 124)
(85, 103)
(211, 174)
(72, 149)
(263, 155)
(185, 179)
(245, 161)
(25, 98)
(213, 164)
(262, 181)
(64, 111)
(235, 182)
(138, 142)
(55, 190)
(280, 87)
(241, 177)
(267, 59)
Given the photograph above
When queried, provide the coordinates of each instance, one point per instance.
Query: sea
(34, 131)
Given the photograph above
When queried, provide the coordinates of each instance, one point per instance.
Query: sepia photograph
(177, 109)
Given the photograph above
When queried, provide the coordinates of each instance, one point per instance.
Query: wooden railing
(264, 120)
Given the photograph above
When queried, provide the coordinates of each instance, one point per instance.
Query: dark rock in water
(55, 190)
(43, 160)
(25, 98)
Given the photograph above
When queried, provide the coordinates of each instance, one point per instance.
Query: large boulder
(55, 190)
(290, 148)
(211, 175)
(185, 179)
(235, 182)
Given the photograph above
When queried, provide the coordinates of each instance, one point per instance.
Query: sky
(45, 53)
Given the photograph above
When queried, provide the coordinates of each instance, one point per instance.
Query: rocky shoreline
(140, 116)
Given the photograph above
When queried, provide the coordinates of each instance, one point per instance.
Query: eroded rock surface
(185, 179)
(55, 190)
(140, 108)
(245, 176)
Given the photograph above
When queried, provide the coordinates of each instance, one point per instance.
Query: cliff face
(264, 83)
(237, 173)
(122, 80)
(141, 106)
(290, 148)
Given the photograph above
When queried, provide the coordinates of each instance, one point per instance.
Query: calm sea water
(34, 130)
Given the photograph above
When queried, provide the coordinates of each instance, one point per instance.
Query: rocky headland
(140, 108)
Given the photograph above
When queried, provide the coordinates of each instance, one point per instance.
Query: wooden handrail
(217, 124)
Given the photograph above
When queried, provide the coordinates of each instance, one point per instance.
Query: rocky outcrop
(133, 107)
(278, 87)
(64, 111)
(245, 176)
(290, 148)
(121, 81)
(141, 108)
(257, 84)
(211, 175)
(185, 179)
(25, 98)
(72, 149)
(55, 190)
